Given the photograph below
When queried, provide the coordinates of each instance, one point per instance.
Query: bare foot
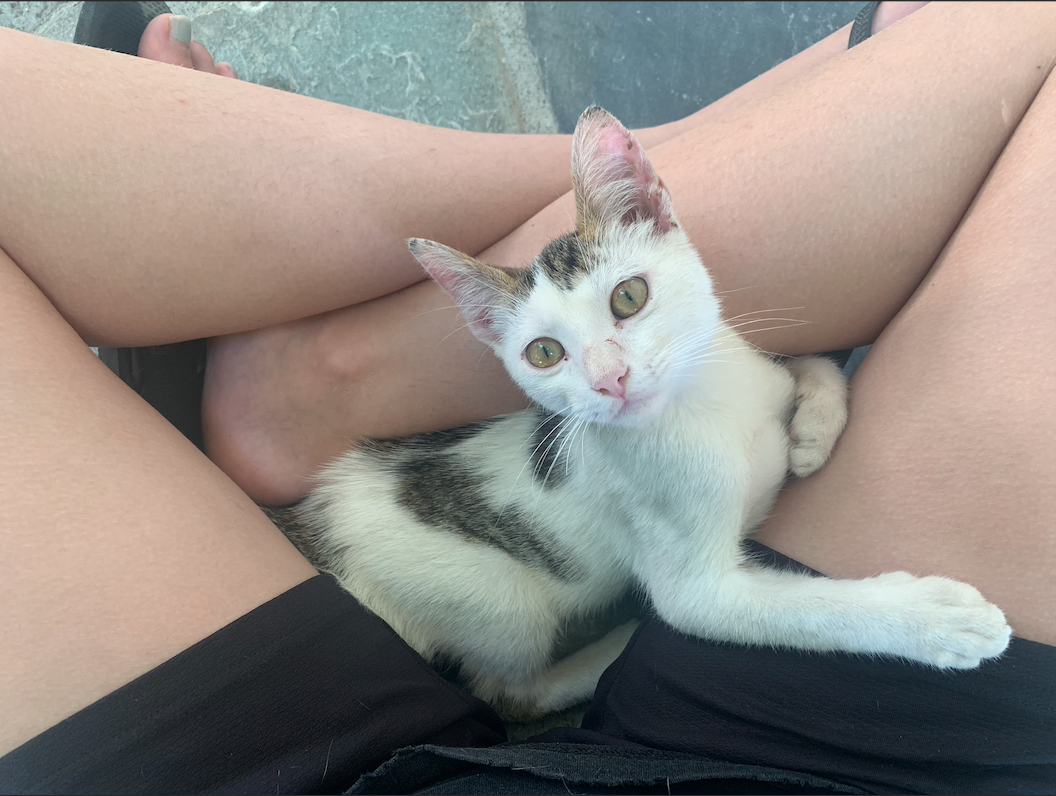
(274, 407)
(280, 402)
(168, 39)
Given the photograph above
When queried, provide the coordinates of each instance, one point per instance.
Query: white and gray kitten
(658, 441)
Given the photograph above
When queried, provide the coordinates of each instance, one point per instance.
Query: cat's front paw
(952, 626)
(820, 414)
(808, 452)
(815, 428)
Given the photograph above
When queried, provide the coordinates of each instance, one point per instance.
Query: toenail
(180, 29)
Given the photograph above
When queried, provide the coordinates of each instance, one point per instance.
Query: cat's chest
(674, 468)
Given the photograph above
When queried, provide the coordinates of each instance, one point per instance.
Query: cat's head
(610, 320)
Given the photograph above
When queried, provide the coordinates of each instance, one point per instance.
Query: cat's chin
(639, 411)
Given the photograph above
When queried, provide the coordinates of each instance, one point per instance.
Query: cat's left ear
(613, 179)
(484, 293)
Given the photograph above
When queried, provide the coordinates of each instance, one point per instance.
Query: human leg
(833, 196)
(948, 465)
(137, 471)
(249, 207)
(110, 566)
(189, 222)
(98, 608)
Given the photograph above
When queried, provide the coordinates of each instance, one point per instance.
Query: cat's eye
(544, 352)
(629, 297)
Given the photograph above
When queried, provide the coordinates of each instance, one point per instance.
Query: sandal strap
(862, 28)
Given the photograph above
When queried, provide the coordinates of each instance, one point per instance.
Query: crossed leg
(88, 607)
(841, 232)
(949, 466)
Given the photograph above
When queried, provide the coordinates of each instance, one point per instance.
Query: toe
(226, 70)
(201, 58)
(167, 39)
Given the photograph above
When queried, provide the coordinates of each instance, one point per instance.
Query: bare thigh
(948, 465)
(122, 544)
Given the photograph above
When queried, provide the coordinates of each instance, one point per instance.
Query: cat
(657, 441)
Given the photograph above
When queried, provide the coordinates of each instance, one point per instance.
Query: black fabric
(171, 379)
(680, 715)
(303, 694)
(570, 767)
(882, 724)
(309, 691)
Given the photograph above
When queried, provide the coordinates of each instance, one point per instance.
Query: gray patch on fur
(562, 261)
(434, 440)
(546, 443)
(524, 281)
(443, 492)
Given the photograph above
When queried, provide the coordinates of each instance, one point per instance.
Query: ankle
(279, 403)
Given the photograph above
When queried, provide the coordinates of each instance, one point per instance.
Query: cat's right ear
(483, 292)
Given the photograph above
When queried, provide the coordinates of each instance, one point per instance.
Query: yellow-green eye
(629, 297)
(544, 352)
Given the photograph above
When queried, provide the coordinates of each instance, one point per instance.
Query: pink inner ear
(615, 137)
(460, 278)
(621, 157)
(447, 279)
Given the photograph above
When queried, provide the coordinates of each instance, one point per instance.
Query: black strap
(862, 28)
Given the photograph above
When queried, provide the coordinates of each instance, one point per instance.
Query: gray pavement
(494, 66)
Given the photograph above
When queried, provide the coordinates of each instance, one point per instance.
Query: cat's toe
(813, 434)
(806, 457)
(960, 629)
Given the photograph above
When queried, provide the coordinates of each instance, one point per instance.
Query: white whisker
(456, 331)
(735, 290)
(756, 312)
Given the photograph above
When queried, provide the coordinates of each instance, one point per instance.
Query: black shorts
(310, 692)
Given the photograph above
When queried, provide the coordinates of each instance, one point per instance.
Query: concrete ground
(494, 66)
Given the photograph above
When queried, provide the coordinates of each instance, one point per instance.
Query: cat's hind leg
(820, 413)
(553, 688)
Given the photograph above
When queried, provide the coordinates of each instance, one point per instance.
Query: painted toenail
(180, 29)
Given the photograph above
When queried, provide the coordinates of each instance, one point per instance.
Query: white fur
(658, 498)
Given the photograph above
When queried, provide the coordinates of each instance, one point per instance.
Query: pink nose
(612, 384)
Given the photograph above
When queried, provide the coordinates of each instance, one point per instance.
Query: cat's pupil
(544, 352)
(629, 297)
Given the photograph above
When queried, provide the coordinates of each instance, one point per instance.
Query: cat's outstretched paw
(952, 626)
(821, 413)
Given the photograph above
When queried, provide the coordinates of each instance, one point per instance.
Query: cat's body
(483, 543)
(663, 442)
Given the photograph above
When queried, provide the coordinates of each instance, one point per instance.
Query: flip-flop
(169, 377)
(115, 26)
